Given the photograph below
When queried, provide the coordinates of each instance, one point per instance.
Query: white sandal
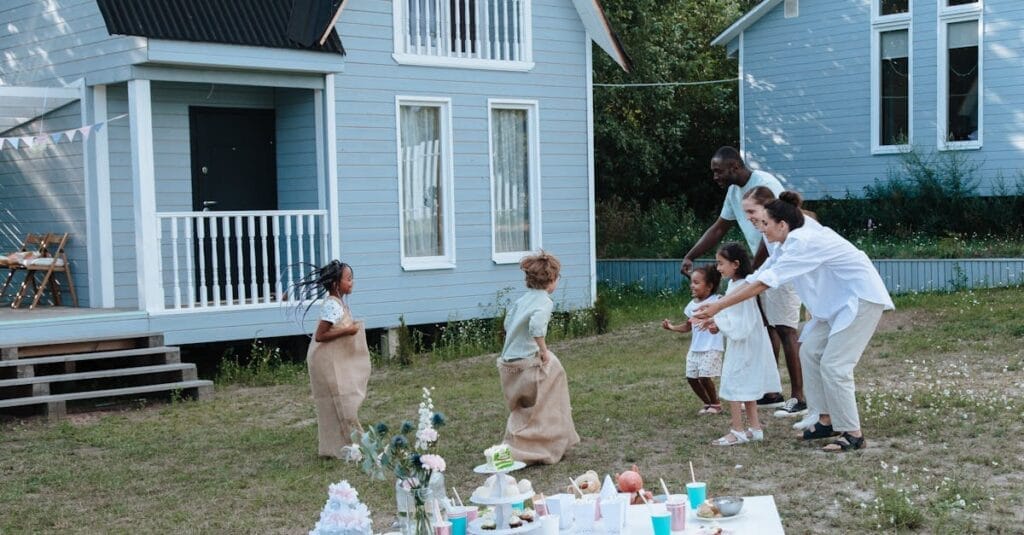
(740, 436)
(755, 435)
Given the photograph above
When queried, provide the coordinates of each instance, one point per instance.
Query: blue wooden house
(832, 92)
(232, 144)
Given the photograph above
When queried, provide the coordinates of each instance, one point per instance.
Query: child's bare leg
(752, 418)
(736, 415)
(698, 388)
(709, 387)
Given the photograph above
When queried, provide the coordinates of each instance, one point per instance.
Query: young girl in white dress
(749, 370)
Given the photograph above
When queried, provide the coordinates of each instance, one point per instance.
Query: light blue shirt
(527, 319)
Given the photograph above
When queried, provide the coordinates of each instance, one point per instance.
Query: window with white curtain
(425, 183)
(515, 179)
(960, 75)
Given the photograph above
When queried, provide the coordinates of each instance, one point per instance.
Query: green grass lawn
(941, 391)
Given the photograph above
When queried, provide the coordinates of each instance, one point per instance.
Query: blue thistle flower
(382, 428)
(437, 419)
(415, 458)
(407, 427)
(398, 441)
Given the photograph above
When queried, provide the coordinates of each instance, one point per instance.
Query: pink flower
(427, 435)
(432, 462)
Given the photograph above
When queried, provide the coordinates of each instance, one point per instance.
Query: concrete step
(119, 372)
(74, 357)
(203, 389)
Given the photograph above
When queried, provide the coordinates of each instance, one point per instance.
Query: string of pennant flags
(52, 138)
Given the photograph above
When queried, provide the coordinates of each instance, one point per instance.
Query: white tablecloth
(758, 517)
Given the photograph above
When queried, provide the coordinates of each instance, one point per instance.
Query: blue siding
(367, 167)
(807, 98)
(41, 190)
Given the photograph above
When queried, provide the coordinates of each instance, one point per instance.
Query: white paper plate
(474, 527)
(718, 519)
(485, 469)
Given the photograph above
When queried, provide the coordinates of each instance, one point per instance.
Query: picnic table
(759, 516)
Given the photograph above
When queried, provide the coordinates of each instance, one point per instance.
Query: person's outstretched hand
(667, 325)
(686, 267)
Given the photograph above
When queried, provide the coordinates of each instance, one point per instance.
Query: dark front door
(234, 168)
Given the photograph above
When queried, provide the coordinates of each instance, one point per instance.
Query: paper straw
(457, 498)
(437, 513)
(692, 477)
(573, 483)
(665, 488)
(647, 503)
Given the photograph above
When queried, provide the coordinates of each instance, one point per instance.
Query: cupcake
(515, 521)
(527, 515)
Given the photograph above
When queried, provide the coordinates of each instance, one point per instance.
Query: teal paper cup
(661, 521)
(696, 493)
(519, 506)
(458, 524)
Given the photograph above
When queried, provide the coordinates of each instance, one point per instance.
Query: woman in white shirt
(845, 296)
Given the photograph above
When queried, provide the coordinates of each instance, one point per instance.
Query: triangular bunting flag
(14, 142)
(85, 130)
(27, 141)
(56, 136)
(42, 140)
(97, 126)
(70, 134)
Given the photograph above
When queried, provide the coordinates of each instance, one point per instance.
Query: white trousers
(827, 363)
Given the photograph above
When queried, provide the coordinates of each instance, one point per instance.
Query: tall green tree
(655, 142)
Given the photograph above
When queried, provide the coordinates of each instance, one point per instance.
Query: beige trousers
(828, 363)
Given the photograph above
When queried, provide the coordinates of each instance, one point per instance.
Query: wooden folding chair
(55, 261)
(33, 247)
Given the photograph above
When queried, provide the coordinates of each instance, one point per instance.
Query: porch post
(331, 153)
(147, 253)
(96, 153)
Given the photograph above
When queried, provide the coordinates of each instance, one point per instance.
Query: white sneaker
(792, 407)
(809, 420)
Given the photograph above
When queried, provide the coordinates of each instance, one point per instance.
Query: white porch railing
(472, 29)
(237, 259)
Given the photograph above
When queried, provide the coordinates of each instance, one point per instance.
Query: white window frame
(947, 16)
(532, 108)
(447, 260)
(879, 25)
(398, 11)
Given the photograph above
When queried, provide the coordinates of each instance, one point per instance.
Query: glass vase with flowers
(410, 459)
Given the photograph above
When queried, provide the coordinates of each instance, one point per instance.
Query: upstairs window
(960, 71)
(891, 83)
(481, 34)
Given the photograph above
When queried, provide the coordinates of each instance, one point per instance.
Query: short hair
(711, 276)
(727, 154)
(787, 208)
(541, 270)
(761, 195)
(735, 252)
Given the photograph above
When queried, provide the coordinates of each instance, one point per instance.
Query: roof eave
(596, 23)
(733, 31)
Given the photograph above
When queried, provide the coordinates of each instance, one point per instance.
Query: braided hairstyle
(318, 283)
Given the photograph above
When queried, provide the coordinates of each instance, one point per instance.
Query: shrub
(264, 366)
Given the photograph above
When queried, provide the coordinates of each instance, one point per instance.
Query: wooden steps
(50, 374)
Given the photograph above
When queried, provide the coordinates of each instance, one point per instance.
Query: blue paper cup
(458, 524)
(696, 493)
(519, 506)
(661, 521)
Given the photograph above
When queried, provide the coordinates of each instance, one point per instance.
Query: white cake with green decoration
(499, 457)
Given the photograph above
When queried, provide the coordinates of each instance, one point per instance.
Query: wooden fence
(900, 276)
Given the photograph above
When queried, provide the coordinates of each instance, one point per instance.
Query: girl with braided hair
(338, 358)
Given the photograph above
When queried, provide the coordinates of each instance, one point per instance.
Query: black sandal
(820, 430)
(846, 442)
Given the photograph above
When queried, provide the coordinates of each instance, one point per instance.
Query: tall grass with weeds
(264, 366)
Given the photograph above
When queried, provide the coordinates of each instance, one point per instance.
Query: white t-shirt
(703, 339)
(732, 207)
(332, 310)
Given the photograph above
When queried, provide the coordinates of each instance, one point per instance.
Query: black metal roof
(237, 22)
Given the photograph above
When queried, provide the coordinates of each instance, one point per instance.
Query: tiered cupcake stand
(502, 505)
